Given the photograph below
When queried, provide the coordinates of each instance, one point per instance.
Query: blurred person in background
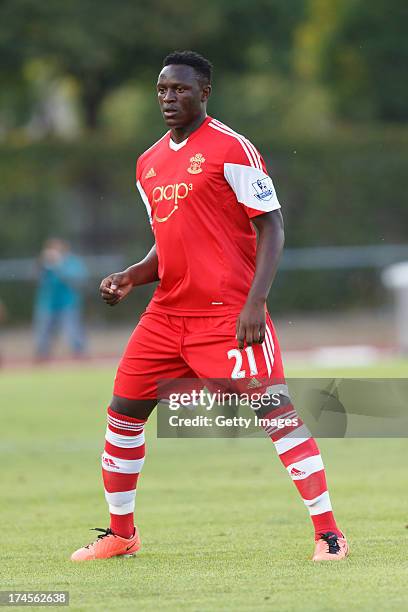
(3, 317)
(58, 302)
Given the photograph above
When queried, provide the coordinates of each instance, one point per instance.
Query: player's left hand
(251, 324)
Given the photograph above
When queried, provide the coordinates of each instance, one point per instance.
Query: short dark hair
(201, 65)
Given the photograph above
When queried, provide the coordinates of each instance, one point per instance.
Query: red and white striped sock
(122, 461)
(300, 455)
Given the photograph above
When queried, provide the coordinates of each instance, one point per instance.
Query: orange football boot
(108, 545)
(330, 547)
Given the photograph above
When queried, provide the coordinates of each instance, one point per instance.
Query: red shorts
(165, 346)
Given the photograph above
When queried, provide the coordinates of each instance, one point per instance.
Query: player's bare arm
(115, 287)
(251, 321)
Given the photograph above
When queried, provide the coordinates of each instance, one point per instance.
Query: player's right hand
(115, 287)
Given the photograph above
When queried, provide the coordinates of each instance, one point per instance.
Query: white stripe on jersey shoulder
(248, 142)
(240, 140)
(251, 152)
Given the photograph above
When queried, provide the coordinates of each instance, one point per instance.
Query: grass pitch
(221, 522)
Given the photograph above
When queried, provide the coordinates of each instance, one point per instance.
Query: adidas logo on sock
(150, 174)
(295, 473)
(110, 462)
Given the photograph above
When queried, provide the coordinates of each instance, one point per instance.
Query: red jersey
(200, 196)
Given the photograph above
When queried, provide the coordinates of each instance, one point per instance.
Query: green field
(221, 523)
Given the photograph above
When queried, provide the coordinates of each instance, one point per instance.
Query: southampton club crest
(195, 164)
(263, 189)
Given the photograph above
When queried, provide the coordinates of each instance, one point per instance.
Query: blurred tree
(80, 38)
(359, 50)
(257, 36)
(100, 44)
(104, 44)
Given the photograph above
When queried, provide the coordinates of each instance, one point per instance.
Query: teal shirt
(60, 285)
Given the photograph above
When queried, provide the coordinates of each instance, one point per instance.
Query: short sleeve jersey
(200, 196)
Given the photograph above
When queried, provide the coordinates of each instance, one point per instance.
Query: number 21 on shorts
(237, 372)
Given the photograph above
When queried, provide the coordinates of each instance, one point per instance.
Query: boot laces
(105, 532)
(332, 540)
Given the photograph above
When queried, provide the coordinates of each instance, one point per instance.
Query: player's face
(182, 96)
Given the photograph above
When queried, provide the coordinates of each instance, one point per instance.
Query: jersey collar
(174, 146)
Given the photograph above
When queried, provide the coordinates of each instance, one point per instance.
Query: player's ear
(205, 93)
